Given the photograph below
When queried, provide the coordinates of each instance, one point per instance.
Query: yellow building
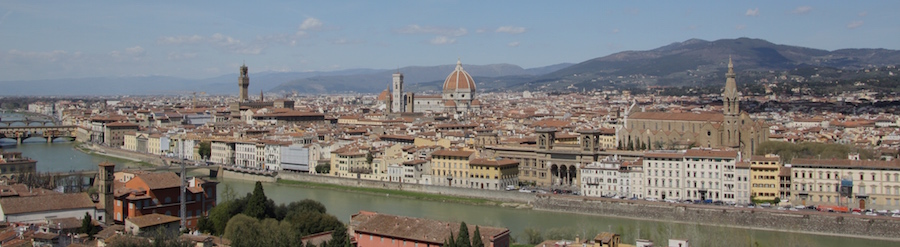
(493, 174)
(764, 180)
(349, 162)
(451, 166)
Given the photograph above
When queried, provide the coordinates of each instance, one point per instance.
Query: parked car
(510, 187)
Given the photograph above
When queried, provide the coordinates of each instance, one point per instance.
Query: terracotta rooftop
(160, 180)
(152, 220)
(713, 117)
(419, 229)
(452, 153)
(50, 202)
(496, 162)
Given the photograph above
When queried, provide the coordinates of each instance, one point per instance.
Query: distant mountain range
(692, 62)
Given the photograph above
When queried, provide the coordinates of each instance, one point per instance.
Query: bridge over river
(20, 133)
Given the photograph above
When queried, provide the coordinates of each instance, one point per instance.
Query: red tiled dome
(385, 95)
(459, 80)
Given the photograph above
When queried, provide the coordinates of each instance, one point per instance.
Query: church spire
(730, 84)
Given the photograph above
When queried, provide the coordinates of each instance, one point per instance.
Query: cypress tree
(476, 238)
(462, 240)
(451, 241)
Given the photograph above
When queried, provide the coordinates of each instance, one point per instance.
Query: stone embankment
(811, 222)
(504, 196)
(154, 160)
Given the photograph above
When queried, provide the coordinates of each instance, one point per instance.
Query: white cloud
(615, 30)
(181, 56)
(217, 40)
(510, 29)
(802, 9)
(740, 27)
(481, 30)
(864, 13)
(134, 53)
(442, 40)
(513, 44)
(343, 41)
(854, 24)
(752, 12)
(177, 40)
(311, 24)
(443, 31)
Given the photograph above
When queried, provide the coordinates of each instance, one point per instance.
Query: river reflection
(552, 224)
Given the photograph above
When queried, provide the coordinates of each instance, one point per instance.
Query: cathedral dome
(385, 95)
(459, 80)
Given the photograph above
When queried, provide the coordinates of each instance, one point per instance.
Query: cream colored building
(493, 174)
(451, 168)
(875, 184)
(764, 177)
(349, 163)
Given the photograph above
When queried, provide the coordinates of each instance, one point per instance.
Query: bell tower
(731, 110)
(105, 178)
(398, 102)
(243, 82)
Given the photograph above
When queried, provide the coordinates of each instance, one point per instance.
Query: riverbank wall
(154, 160)
(810, 222)
(229, 174)
(503, 196)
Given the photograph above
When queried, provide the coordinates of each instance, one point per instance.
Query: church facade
(664, 130)
(458, 96)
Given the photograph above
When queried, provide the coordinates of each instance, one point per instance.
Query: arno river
(64, 157)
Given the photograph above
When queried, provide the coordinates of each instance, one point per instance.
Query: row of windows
(862, 176)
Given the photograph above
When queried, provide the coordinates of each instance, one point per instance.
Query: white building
(245, 155)
(695, 174)
(296, 157)
(602, 179)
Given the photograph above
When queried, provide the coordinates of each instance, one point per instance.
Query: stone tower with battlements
(244, 83)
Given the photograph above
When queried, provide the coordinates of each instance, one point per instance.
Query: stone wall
(155, 160)
(797, 221)
(506, 196)
(246, 176)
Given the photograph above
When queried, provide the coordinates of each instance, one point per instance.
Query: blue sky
(200, 39)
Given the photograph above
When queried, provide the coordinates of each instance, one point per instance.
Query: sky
(202, 39)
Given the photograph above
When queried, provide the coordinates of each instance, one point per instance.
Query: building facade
(872, 184)
(667, 130)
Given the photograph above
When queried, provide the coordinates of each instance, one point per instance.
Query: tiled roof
(496, 162)
(50, 202)
(452, 153)
(160, 180)
(152, 220)
(419, 229)
(713, 117)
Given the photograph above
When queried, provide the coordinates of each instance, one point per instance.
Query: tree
(87, 226)
(205, 150)
(339, 237)
(323, 169)
(243, 230)
(369, 157)
(462, 239)
(256, 205)
(533, 236)
(451, 241)
(476, 238)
